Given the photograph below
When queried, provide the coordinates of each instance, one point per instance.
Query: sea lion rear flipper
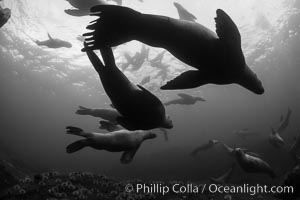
(76, 146)
(186, 80)
(227, 30)
(127, 156)
(116, 26)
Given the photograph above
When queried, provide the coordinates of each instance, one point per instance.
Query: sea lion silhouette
(275, 139)
(252, 164)
(53, 43)
(82, 7)
(184, 14)
(205, 146)
(184, 99)
(5, 14)
(140, 109)
(127, 141)
(218, 58)
(284, 122)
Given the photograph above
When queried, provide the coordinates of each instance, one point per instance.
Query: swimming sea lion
(4, 15)
(184, 14)
(284, 122)
(224, 178)
(218, 58)
(145, 80)
(140, 109)
(204, 146)
(275, 139)
(82, 7)
(157, 61)
(296, 145)
(54, 43)
(231, 151)
(244, 133)
(106, 114)
(184, 99)
(118, 141)
(251, 164)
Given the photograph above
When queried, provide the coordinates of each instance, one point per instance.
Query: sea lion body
(54, 43)
(205, 146)
(219, 59)
(117, 141)
(185, 99)
(184, 14)
(4, 15)
(82, 7)
(253, 164)
(140, 109)
(275, 139)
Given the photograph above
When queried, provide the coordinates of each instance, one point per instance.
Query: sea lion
(224, 178)
(106, 114)
(140, 109)
(245, 133)
(218, 58)
(117, 141)
(82, 7)
(275, 139)
(295, 146)
(5, 14)
(53, 43)
(145, 80)
(231, 151)
(184, 99)
(137, 61)
(157, 60)
(184, 14)
(204, 147)
(251, 164)
(284, 122)
(109, 126)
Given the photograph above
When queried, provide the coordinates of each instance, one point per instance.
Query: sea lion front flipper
(227, 30)
(98, 65)
(127, 156)
(186, 80)
(49, 36)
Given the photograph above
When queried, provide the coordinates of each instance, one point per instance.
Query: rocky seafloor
(86, 185)
(16, 185)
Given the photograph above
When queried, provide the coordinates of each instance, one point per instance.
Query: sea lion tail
(76, 146)
(116, 25)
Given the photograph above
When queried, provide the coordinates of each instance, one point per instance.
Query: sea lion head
(168, 123)
(248, 79)
(239, 152)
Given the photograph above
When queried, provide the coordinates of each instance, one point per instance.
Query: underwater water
(41, 89)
